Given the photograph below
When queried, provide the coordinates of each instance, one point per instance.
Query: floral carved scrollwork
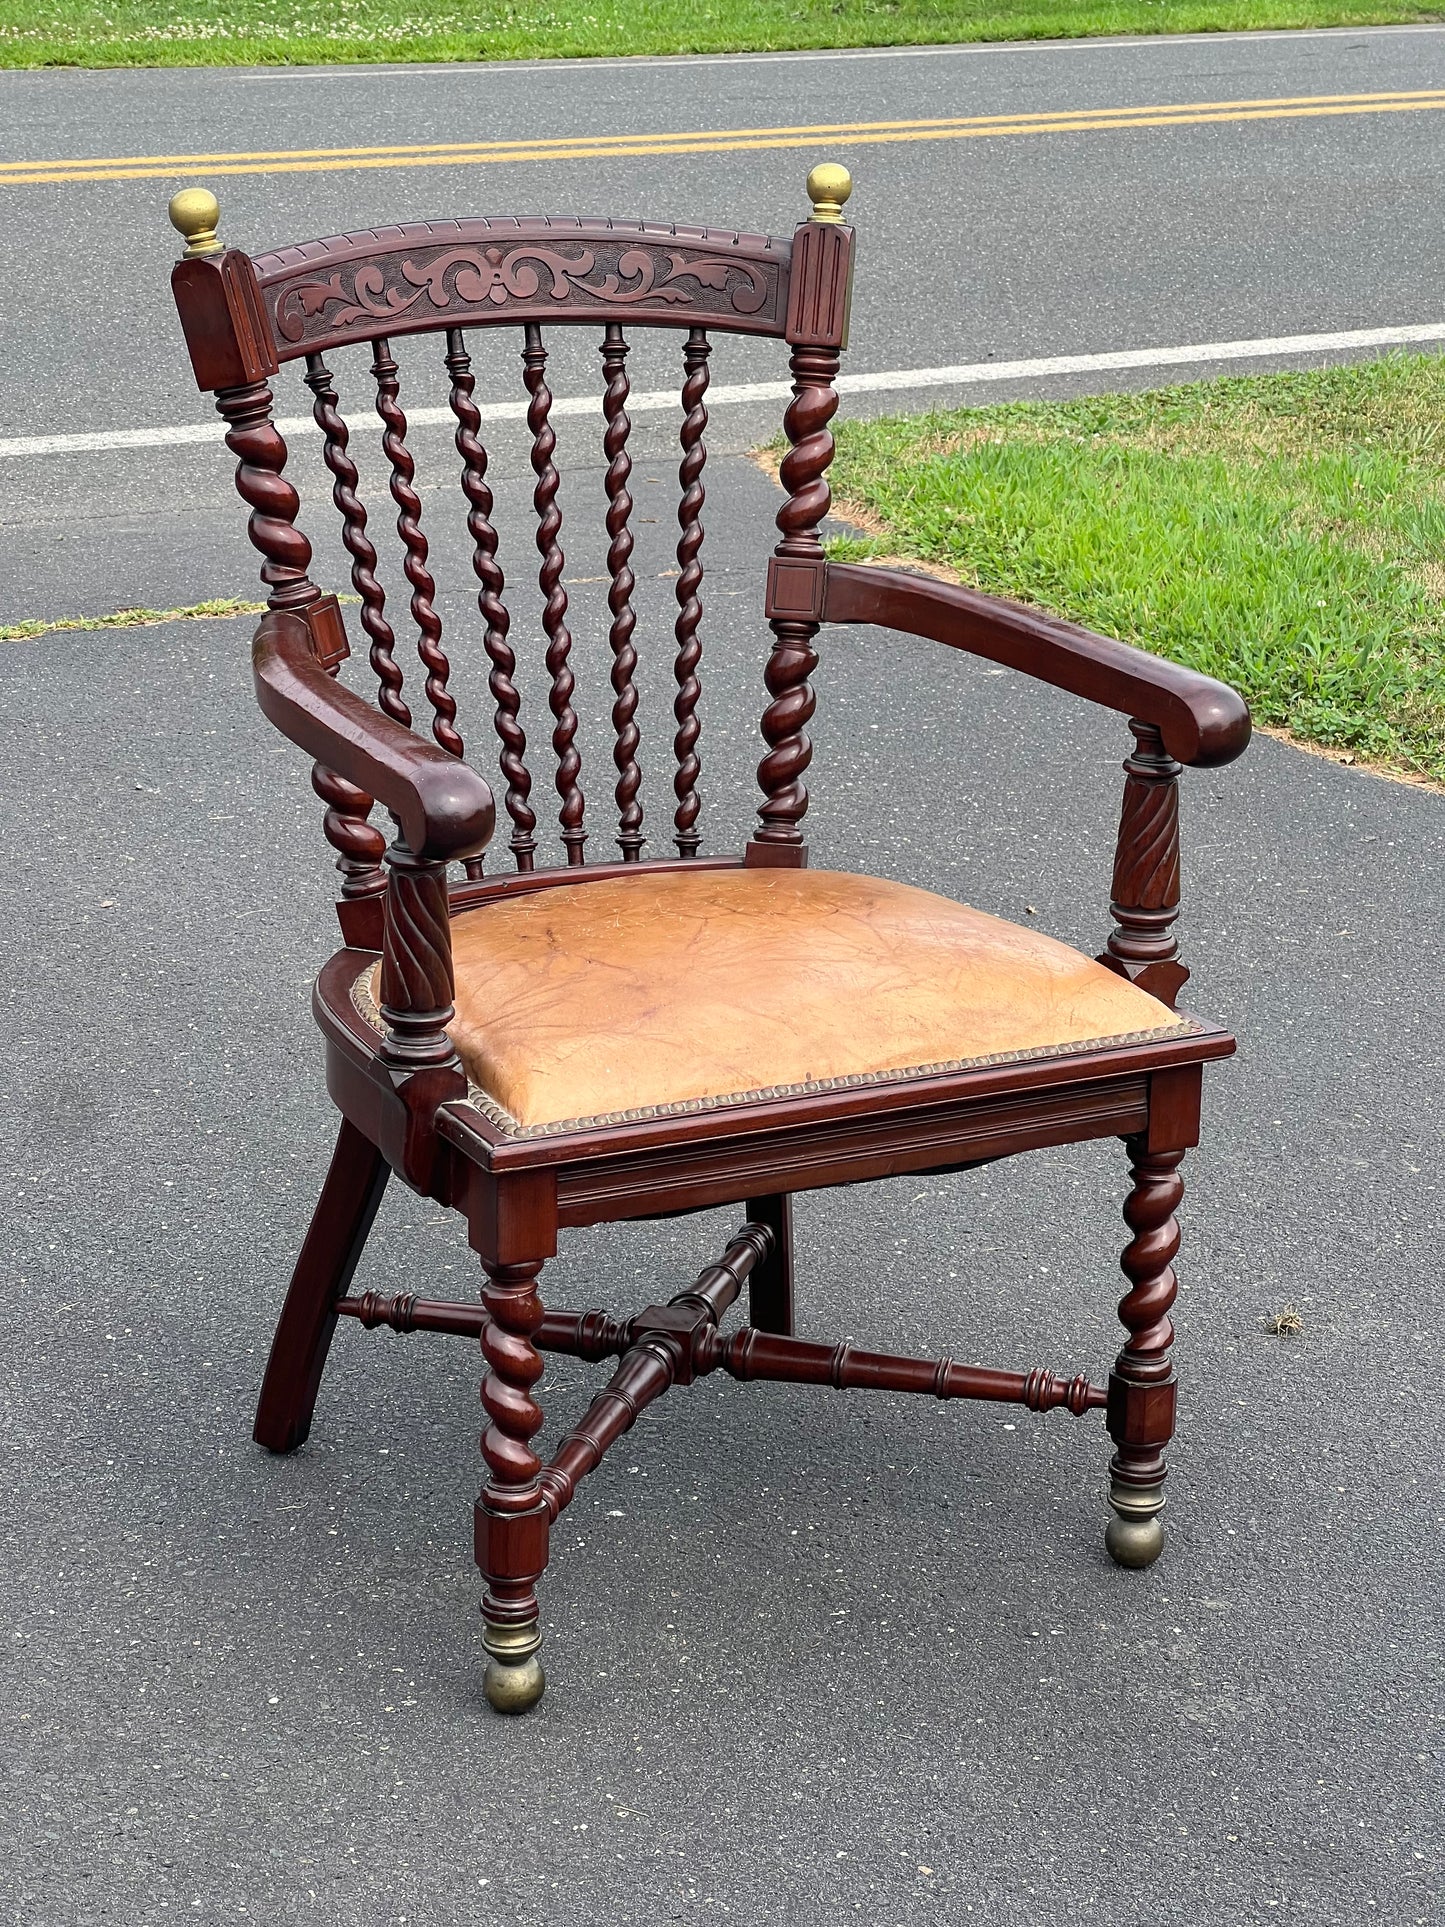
(455, 278)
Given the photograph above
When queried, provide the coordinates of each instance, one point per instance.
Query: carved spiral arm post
(689, 581)
(1142, 1385)
(1145, 904)
(804, 475)
(488, 572)
(416, 963)
(621, 584)
(511, 1516)
(554, 605)
(260, 452)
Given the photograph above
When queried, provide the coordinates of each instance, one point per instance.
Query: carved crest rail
(427, 275)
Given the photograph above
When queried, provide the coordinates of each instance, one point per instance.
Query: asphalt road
(1011, 246)
(811, 1659)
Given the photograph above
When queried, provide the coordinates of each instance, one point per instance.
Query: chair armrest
(1201, 721)
(444, 807)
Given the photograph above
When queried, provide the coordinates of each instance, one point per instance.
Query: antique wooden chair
(587, 1042)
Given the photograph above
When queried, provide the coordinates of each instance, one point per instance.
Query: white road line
(892, 380)
(982, 49)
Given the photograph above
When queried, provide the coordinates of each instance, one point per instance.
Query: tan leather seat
(672, 989)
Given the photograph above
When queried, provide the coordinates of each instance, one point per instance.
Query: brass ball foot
(514, 1680)
(1135, 1534)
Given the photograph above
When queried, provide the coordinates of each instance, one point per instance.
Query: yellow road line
(487, 148)
(736, 140)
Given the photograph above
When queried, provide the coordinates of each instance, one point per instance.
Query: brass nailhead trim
(482, 1100)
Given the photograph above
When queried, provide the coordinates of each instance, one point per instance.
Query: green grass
(132, 618)
(1283, 532)
(171, 33)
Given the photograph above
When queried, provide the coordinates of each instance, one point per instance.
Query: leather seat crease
(681, 988)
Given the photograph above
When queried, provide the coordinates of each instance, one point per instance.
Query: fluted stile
(689, 581)
(408, 527)
(501, 680)
(260, 453)
(554, 596)
(804, 476)
(335, 443)
(619, 594)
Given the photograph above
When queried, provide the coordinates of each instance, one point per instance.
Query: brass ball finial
(195, 213)
(514, 1680)
(829, 185)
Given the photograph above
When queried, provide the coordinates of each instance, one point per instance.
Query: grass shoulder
(1281, 532)
(207, 33)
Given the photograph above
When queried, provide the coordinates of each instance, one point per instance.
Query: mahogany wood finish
(798, 560)
(414, 544)
(619, 594)
(444, 807)
(689, 582)
(344, 1215)
(1146, 872)
(554, 596)
(1141, 1386)
(1200, 721)
(749, 1354)
(402, 1093)
(346, 481)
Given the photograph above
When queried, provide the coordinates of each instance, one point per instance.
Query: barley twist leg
(511, 1517)
(1142, 1386)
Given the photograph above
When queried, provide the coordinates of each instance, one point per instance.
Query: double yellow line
(1092, 120)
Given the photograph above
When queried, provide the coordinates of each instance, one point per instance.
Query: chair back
(245, 317)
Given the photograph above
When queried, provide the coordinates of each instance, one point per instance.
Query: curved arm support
(1202, 722)
(444, 807)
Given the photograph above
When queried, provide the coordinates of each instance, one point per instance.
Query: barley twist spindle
(335, 446)
(358, 844)
(414, 543)
(626, 736)
(554, 610)
(493, 609)
(689, 581)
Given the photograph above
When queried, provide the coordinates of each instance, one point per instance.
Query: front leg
(511, 1516)
(1141, 1386)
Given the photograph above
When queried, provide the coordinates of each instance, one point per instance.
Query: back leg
(770, 1289)
(339, 1227)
